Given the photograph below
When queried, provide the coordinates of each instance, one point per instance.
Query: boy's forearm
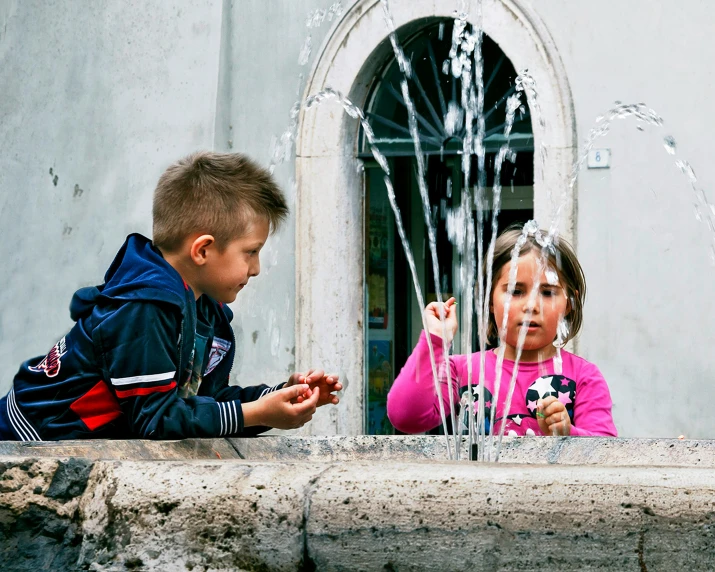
(252, 413)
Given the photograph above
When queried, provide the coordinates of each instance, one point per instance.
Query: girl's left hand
(552, 417)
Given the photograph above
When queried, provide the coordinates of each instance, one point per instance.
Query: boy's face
(226, 273)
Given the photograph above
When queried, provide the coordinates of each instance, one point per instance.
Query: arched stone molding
(329, 208)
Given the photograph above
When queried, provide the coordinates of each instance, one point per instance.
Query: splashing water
(353, 111)
(424, 195)
(703, 209)
(282, 147)
(465, 63)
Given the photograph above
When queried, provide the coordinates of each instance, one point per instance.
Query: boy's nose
(256, 268)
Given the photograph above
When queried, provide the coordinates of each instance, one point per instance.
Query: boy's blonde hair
(214, 193)
(561, 258)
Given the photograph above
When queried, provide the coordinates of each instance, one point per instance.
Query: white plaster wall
(106, 94)
(263, 83)
(650, 312)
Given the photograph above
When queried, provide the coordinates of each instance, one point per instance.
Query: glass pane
(379, 257)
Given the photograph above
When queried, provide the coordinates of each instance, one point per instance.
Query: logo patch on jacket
(51, 363)
(219, 349)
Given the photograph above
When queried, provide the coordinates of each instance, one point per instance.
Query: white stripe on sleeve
(229, 421)
(143, 378)
(23, 419)
(13, 421)
(233, 404)
(23, 427)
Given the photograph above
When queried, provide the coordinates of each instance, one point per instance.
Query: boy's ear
(200, 248)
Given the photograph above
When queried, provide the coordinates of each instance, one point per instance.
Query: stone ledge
(541, 450)
(124, 449)
(536, 450)
(75, 514)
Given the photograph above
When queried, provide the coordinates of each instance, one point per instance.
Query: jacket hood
(139, 272)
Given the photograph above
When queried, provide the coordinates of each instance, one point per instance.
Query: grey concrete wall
(106, 94)
(264, 82)
(649, 315)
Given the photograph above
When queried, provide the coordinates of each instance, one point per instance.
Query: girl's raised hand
(434, 323)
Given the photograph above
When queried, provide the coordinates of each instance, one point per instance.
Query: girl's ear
(571, 302)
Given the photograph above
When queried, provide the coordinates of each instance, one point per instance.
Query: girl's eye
(518, 292)
(548, 293)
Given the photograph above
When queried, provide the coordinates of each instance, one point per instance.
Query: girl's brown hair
(561, 257)
(214, 193)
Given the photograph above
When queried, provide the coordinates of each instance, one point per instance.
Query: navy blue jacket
(121, 371)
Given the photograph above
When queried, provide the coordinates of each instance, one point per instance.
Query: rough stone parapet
(79, 514)
(541, 450)
(357, 503)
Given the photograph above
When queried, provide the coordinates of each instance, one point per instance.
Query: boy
(152, 349)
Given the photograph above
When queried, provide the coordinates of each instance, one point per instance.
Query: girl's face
(548, 303)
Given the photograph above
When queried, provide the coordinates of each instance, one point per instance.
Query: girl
(556, 392)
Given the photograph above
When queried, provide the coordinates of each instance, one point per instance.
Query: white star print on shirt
(542, 386)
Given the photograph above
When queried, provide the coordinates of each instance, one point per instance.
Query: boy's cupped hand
(280, 410)
(317, 379)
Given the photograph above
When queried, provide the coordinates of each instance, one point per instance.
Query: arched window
(393, 315)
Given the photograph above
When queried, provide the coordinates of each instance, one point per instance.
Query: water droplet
(530, 228)
(336, 10)
(305, 51)
(315, 19)
(454, 119)
(687, 170)
(669, 144)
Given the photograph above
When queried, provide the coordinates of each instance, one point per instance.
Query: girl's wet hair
(561, 257)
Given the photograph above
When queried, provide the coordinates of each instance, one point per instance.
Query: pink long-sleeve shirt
(413, 406)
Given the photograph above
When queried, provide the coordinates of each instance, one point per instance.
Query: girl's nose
(531, 305)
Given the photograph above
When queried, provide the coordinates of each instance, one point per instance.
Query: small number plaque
(599, 158)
